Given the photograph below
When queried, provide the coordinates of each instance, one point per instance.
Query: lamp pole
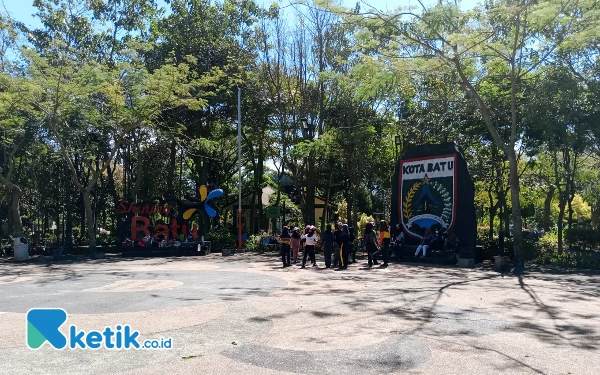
(239, 215)
(310, 185)
(398, 143)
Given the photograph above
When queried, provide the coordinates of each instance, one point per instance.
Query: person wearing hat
(327, 245)
(295, 242)
(285, 238)
(309, 248)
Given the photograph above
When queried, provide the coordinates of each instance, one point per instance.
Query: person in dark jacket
(327, 240)
(370, 238)
(344, 247)
(285, 239)
(337, 238)
(352, 250)
(398, 241)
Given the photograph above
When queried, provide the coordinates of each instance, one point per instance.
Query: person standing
(344, 247)
(384, 240)
(337, 238)
(285, 239)
(370, 238)
(295, 241)
(327, 245)
(352, 248)
(309, 248)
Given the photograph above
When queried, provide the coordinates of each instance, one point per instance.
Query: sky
(22, 10)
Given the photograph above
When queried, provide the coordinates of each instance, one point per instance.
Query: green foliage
(582, 238)
(121, 99)
(362, 223)
(221, 237)
(253, 243)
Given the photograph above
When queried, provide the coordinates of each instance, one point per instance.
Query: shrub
(253, 243)
(362, 223)
(482, 235)
(547, 248)
(530, 249)
(582, 238)
(222, 237)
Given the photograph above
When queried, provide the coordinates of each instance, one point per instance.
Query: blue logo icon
(43, 325)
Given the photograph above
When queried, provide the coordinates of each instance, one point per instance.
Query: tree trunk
(89, 216)
(570, 186)
(171, 170)
(261, 171)
(15, 210)
(561, 218)
(515, 191)
(561, 203)
(69, 216)
(492, 215)
(326, 208)
(82, 215)
(547, 208)
(310, 191)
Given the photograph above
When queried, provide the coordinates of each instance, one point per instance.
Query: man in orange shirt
(384, 240)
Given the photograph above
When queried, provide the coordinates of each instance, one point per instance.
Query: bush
(482, 235)
(547, 248)
(530, 249)
(582, 238)
(253, 243)
(221, 237)
(362, 223)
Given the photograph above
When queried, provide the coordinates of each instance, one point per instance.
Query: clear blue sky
(22, 10)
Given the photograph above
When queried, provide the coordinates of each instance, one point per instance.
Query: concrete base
(21, 250)
(466, 262)
(98, 255)
(227, 252)
(501, 264)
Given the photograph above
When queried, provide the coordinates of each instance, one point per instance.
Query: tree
(504, 41)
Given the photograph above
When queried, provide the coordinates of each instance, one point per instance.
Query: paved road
(247, 315)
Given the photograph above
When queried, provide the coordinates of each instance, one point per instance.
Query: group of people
(338, 244)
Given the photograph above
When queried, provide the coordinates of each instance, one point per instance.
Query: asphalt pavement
(245, 314)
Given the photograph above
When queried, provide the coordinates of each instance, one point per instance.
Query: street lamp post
(398, 143)
(239, 129)
(308, 133)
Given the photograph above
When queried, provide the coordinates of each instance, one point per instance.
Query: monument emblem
(428, 194)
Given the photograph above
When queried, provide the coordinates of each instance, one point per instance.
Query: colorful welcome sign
(171, 221)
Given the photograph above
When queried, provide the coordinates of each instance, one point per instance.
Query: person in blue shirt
(327, 245)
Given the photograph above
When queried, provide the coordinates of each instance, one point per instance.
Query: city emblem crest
(428, 194)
